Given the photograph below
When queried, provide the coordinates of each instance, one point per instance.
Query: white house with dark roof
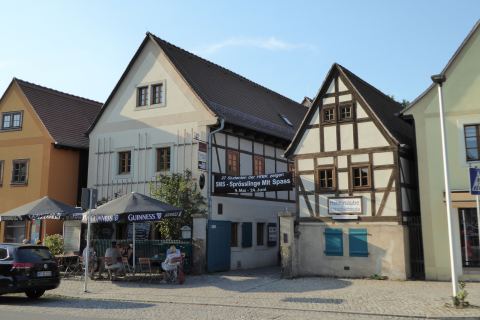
(357, 212)
(157, 119)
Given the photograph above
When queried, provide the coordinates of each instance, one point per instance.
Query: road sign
(474, 181)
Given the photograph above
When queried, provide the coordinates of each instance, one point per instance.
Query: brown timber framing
(237, 134)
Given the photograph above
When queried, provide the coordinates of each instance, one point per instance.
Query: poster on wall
(202, 156)
(345, 205)
(271, 234)
(35, 231)
(282, 181)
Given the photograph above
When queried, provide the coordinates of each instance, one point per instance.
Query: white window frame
(12, 115)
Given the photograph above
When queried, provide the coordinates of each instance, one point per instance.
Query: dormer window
(286, 120)
(12, 120)
(142, 96)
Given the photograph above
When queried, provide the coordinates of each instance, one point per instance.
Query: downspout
(209, 177)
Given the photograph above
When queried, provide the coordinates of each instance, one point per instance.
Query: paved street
(258, 294)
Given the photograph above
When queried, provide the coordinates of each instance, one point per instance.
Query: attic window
(288, 122)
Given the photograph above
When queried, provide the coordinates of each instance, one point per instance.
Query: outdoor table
(70, 263)
(157, 261)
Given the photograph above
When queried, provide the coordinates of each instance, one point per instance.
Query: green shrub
(54, 243)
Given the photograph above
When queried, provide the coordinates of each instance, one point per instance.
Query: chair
(108, 267)
(145, 268)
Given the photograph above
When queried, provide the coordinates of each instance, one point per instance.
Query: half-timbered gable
(354, 173)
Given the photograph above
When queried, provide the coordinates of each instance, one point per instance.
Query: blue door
(218, 246)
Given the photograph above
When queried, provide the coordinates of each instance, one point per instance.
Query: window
(329, 114)
(286, 120)
(124, 162)
(469, 237)
(258, 165)
(325, 178)
(14, 231)
(11, 120)
(234, 234)
(3, 253)
(246, 234)
(163, 159)
(20, 172)
(142, 96)
(333, 242)
(1, 172)
(260, 234)
(346, 112)
(357, 242)
(157, 93)
(472, 141)
(233, 163)
(361, 177)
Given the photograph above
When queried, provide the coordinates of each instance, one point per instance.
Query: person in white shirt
(113, 259)
(172, 253)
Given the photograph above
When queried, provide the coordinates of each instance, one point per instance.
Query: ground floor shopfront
(17, 231)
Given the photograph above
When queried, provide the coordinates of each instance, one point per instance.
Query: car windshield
(32, 254)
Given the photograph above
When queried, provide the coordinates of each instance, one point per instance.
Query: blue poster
(475, 181)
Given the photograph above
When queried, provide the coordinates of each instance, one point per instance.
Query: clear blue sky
(82, 47)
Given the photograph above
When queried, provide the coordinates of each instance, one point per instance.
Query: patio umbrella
(44, 208)
(134, 207)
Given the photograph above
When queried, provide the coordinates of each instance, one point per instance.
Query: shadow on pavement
(54, 302)
(254, 280)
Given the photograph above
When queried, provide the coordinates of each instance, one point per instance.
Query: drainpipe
(209, 177)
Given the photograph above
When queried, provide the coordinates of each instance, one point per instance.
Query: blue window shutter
(358, 244)
(246, 234)
(333, 242)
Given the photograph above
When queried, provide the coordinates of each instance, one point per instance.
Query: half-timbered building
(157, 121)
(356, 187)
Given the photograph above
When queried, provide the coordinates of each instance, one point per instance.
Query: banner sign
(474, 181)
(346, 205)
(202, 156)
(264, 183)
(133, 217)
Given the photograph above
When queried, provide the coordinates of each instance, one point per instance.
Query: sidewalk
(263, 288)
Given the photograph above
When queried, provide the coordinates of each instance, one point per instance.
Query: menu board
(71, 235)
(142, 231)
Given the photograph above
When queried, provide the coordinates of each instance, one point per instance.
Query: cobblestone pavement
(258, 294)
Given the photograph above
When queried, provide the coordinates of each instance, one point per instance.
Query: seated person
(113, 259)
(172, 253)
(92, 259)
(127, 251)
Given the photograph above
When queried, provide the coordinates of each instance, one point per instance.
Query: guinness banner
(268, 182)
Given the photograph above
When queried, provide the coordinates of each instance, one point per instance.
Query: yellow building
(43, 151)
(461, 92)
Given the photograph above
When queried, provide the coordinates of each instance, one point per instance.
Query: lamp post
(439, 80)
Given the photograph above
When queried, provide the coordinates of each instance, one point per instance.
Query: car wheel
(34, 294)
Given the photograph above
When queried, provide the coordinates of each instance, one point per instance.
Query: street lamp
(439, 79)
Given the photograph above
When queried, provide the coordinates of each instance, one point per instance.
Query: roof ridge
(370, 85)
(54, 91)
(240, 77)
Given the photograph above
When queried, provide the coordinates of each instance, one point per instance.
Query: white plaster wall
(370, 136)
(245, 145)
(381, 177)
(310, 142)
(346, 136)
(315, 118)
(246, 164)
(330, 138)
(382, 158)
(329, 100)
(345, 97)
(308, 181)
(361, 114)
(342, 161)
(341, 85)
(239, 210)
(343, 180)
(324, 161)
(331, 87)
(355, 158)
(305, 164)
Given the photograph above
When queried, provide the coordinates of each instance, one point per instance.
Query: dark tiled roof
(236, 99)
(66, 117)
(386, 109)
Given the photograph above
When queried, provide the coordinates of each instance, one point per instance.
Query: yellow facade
(461, 93)
(51, 171)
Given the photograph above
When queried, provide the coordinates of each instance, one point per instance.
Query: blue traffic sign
(475, 181)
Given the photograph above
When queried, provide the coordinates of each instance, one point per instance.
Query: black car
(27, 268)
